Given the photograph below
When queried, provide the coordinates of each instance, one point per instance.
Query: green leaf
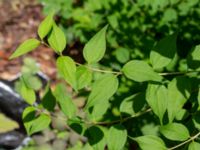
(96, 112)
(32, 81)
(194, 146)
(40, 123)
(65, 102)
(170, 14)
(84, 77)
(57, 39)
(150, 142)
(67, 69)
(95, 49)
(196, 120)
(116, 138)
(45, 26)
(7, 124)
(122, 54)
(102, 90)
(178, 93)
(27, 93)
(199, 97)
(96, 137)
(25, 47)
(140, 71)
(163, 52)
(35, 123)
(133, 104)
(48, 100)
(193, 59)
(175, 132)
(157, 97)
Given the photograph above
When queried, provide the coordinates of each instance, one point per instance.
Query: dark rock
(11, 140)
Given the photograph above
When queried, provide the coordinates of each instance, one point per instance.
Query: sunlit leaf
(157, 97)
(45, 26)
(95, 49)
(163, 52)
(65, 101)
(67, 69)
(25, 47)
(57, 39)
(103, 89)
(140, 71)
(120, 136)
(175, 132)
(150, 142)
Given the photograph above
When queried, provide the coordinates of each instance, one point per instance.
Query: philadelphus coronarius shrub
(170, 99)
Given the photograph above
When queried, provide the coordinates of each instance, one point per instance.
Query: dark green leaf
(157, 97)
(96, 137)
(102, 90)
(117, 136)
(163, 52)
(150, 142)
(57, 39)
(175, 132)
(140, 71)
(84, 77)
(25, 47)
(67, 69)
(95, 49)
(65, 102)
(45, 26)
(48, 100)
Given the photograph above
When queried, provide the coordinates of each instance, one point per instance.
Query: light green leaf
(25, 47)
(122, 54)
(67, 69)
(140, 71)
(27, 93)
(98, 110)
(178, 93)
(32, 81)
(133, 104)
(150, 142)
(170, 14)
(95, 49)
(84, 77)
(102, 90)
(193, 59)
(175, 132)
(194, 146)
(65, 102)
(7, 124)
(57, 39)
(35, 123)
(163, 52)
(40, 123)
(157, 97)
(45, 26)
(116, 138)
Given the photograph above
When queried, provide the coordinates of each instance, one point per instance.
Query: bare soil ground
(19, 20)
